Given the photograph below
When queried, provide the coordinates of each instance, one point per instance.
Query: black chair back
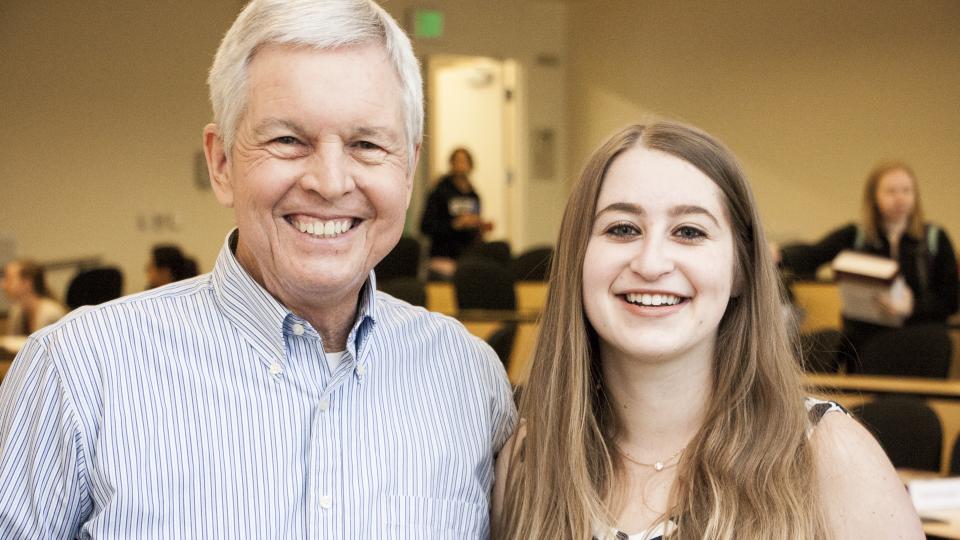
(502, 341)
(498, 251)
(96, 286)
(922, 350)
(402, 261)
(484, 284)
(409, 289)
(820, 350)
(533, 264)
(907, 429)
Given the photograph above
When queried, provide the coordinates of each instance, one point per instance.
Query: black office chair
(502, 341)
(402, 261)
(96, 286)
(533, 264)
(820, 350)
(484, 284)
(907, 429)
(408, 289)
(923, 350)
(498, 251)
(955, 458)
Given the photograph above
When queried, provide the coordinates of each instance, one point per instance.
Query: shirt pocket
(422, 517)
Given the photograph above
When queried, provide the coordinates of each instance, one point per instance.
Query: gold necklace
(657, 465)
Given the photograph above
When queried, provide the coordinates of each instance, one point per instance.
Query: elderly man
(280, 396)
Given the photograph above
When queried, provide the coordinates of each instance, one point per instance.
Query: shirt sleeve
(806, 258)
(42, 492)
(504, 410)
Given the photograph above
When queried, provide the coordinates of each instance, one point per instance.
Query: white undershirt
(334, 359)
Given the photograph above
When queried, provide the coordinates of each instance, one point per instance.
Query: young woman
(892, 226)
(32, 305)
(664, 398)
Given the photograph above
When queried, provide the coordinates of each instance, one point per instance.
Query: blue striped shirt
(205, 409)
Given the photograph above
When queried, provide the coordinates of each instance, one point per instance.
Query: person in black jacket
(452, 216)
(892, 226)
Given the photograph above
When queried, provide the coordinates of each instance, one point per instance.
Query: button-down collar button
(298, 329)
(275, 368)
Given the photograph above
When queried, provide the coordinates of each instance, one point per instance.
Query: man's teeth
(653, 299)
(333, 227)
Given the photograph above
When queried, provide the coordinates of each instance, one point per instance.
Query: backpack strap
(860, 239)
(933, 239)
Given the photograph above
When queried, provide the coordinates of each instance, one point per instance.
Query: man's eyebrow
(274, 123)
(679, 210)
(373, 131)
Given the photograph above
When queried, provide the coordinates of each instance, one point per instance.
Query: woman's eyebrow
(687, 209)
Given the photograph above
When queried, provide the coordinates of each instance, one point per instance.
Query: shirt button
(298, 329)
(361, 370)
(326, 502)
(324, 404)
(275, 368)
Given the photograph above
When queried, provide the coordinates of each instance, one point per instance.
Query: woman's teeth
(653, 299)
(326, 229)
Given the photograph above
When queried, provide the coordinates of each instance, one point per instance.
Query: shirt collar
(260, 317)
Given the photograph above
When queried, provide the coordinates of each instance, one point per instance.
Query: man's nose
(327, 173)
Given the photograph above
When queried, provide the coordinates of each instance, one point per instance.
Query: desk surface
(947, 388)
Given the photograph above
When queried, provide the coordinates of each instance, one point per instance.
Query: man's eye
(690, 233)
(367, 145)
(622, 230)
(286, 139)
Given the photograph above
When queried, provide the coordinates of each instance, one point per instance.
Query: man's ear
(412, 172)
(218, 165)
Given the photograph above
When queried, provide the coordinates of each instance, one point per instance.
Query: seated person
(32, 305)
(167, 265)
(452, 217)
(892, 226)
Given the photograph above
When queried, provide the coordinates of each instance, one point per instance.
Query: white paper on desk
(935, 494)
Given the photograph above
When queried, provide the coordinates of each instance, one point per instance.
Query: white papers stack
(862, 279)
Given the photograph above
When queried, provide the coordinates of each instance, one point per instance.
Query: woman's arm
(806, 258)
(941, 299)
(861, 494)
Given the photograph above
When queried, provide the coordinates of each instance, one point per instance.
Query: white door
(467, 106)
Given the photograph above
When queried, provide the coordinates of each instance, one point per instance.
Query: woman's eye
(622, 230)
(690, 233)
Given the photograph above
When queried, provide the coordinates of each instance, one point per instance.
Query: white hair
(319, 24)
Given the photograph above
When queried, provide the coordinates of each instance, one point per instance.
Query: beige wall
(104, 102)
(103, 107)
(808, 94)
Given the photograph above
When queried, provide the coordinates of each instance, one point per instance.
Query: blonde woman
(892, 225)
(664, 399)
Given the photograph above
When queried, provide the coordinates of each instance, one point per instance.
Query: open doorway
(472, 102)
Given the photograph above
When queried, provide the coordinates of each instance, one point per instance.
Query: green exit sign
(428, 23)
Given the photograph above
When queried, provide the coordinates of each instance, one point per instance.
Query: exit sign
(427, 24)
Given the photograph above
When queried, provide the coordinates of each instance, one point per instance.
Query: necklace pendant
(658, 466)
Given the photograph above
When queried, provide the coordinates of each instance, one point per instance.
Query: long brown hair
(872, 220)
(749, 471)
